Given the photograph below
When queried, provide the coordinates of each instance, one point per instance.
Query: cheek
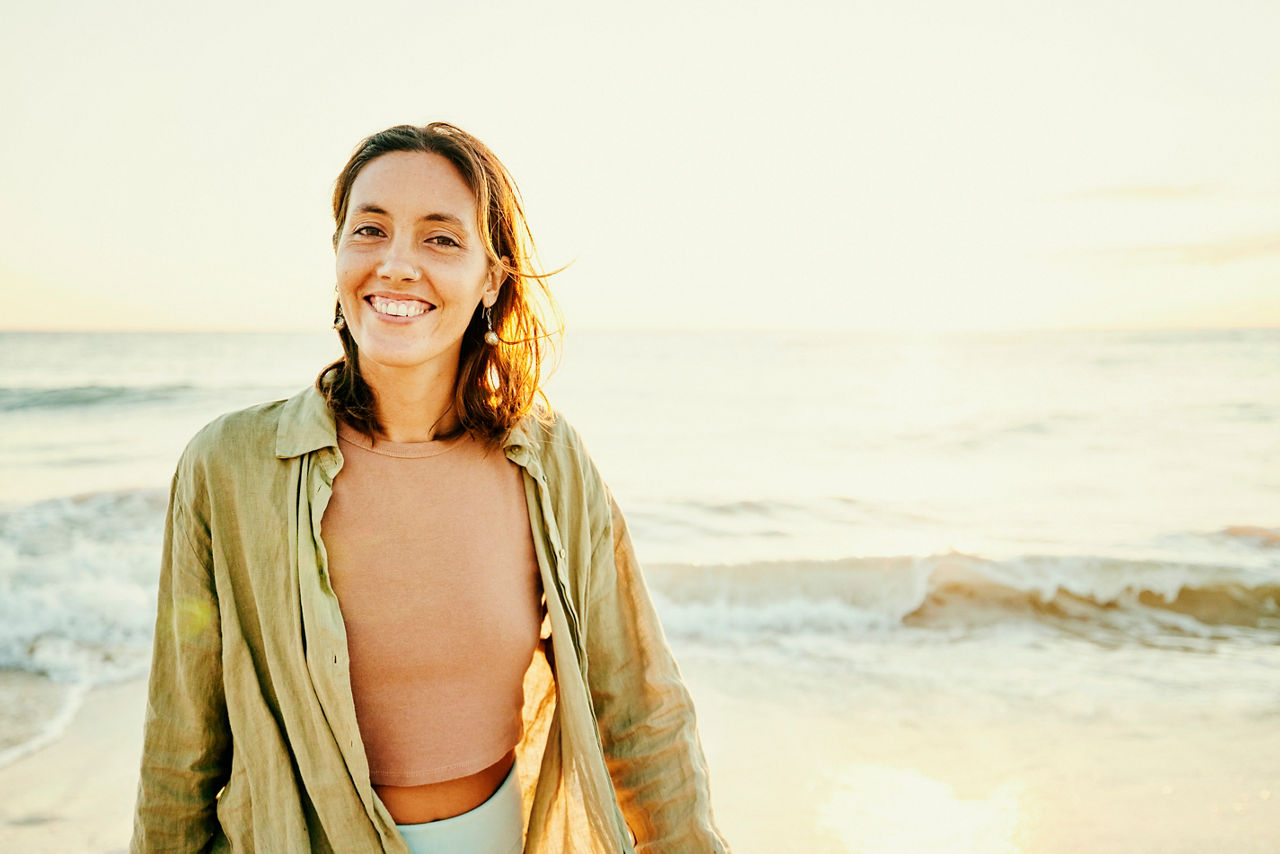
(347, 271)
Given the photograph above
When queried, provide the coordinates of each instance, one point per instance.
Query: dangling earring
(339, 322)
(490, 337)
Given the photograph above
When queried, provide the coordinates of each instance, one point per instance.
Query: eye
(368, 231)
(443, 240)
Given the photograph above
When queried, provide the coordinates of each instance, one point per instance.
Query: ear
(490, 293)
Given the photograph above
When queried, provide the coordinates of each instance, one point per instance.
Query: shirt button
(561, 553)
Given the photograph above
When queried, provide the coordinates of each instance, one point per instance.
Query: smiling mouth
(399, 307)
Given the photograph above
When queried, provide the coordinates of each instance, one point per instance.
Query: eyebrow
(431, 217)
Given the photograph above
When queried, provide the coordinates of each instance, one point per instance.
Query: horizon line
(679, 329)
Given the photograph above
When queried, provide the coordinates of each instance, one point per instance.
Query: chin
(404, 357)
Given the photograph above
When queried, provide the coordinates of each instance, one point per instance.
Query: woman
(400, 611)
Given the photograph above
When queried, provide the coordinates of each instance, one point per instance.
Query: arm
(646, 717)
(186, 749)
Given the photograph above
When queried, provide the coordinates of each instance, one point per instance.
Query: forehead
(413, 184)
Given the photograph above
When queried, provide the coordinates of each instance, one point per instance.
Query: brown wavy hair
(497, 384)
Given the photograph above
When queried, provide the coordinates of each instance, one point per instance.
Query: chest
(433, 557)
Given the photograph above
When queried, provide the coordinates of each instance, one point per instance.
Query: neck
(414, 404)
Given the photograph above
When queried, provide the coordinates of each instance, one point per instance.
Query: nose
(397, 263)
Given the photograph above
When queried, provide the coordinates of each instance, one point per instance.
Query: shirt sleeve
(186, 749)
(647, 725)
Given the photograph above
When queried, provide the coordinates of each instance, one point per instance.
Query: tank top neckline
(400, 450)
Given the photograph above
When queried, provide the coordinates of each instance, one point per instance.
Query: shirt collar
(306, 424)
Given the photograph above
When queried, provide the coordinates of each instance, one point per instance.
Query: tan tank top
(431, 557)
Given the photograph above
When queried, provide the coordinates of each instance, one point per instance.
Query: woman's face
(411, 268)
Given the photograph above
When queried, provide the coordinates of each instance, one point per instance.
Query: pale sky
(706, 165)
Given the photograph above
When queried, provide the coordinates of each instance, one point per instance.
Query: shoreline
(76, 793)
(35, 710)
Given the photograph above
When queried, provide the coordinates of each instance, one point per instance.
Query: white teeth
(398, 308)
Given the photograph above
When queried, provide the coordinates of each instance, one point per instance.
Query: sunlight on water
(879, 810)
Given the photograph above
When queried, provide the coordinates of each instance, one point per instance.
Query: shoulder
(234, 437)
(217, 463)
(558, 452)
(266, 433)
(238, 458)
(552, 439)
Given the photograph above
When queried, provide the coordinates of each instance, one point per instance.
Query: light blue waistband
(494, 827)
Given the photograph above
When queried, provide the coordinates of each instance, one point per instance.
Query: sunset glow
(942, 166)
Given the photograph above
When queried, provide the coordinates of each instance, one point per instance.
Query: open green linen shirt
(251, 738)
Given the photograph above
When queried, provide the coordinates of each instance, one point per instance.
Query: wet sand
(76, 794)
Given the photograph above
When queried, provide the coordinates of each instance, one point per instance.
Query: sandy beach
(826, 776)
(76, 794)
(804, 772)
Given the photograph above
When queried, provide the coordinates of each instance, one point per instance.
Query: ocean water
(1087, 522)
